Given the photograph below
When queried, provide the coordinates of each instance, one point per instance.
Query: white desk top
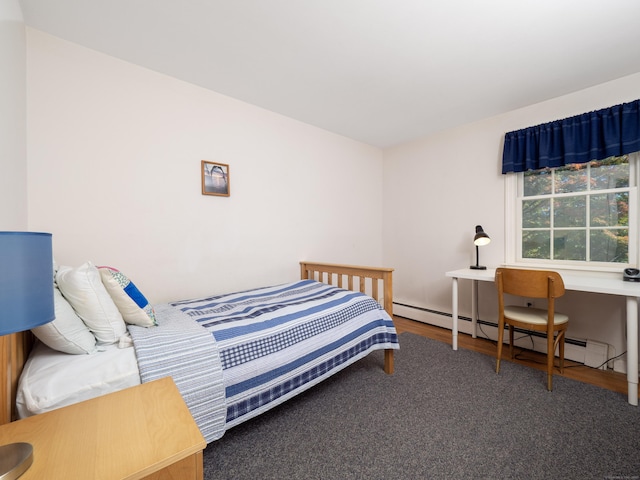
(583, 282)
(487, 275)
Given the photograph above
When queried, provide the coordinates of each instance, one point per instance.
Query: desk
(577, 282)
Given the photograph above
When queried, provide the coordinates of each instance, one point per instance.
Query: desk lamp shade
(26, 301)
(480, 239)
(26, 281)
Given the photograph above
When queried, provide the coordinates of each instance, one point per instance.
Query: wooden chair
(532, 284)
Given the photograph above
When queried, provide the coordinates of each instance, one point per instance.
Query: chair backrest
(529, 283)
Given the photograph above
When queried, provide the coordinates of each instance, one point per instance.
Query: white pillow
(131, 303)
(67, 333)
(87, 295)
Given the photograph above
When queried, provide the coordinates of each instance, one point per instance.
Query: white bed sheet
(51, 379)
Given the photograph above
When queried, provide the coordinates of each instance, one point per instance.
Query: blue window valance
(612, 131)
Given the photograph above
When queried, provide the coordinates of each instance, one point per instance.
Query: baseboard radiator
(591, 353)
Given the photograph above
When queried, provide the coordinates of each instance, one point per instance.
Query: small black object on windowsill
(479, 240)
(631, 275)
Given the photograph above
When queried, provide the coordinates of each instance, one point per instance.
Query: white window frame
(513, 230)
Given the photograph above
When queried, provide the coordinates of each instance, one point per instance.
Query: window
(582, 214)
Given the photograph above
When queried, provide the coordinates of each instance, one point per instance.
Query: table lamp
(479, 240)
(26, 301)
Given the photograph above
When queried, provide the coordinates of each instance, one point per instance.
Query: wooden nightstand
(143, 432)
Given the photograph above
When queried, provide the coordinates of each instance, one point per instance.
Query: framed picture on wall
(215, 179)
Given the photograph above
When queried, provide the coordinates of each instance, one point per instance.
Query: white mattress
(52, 379)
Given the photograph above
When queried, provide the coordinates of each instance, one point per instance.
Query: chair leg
(560, 342)
(511, 354)
(500, 338)
(550, 355)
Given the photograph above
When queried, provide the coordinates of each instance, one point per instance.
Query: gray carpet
(443, 414)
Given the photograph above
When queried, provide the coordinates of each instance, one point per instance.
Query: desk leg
(474, 308)
(632, 350)
(454, 313)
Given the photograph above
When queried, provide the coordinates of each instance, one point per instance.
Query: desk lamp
(26, 301)
(479, 240)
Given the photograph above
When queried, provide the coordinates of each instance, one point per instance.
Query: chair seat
(535, 316)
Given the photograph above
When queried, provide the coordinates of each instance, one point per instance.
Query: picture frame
(215, 178)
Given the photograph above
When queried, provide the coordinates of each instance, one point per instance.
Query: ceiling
(379, 71)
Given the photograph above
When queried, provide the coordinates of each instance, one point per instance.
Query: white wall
(438, 188)
(114, 173)
(13, 179)
(114, 156)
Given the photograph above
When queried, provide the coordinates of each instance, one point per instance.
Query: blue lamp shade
(26, 281)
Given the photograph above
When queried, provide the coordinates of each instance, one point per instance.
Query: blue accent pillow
(132, 304)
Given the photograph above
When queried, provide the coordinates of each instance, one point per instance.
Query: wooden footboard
(360, 279)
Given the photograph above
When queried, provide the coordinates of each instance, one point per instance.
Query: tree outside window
(577, 213)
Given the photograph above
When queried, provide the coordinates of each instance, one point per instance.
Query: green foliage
(577, 212)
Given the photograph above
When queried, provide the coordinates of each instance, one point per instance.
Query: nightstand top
(123, 435)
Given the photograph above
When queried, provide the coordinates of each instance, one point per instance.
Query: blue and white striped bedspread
(182, 349)
(278, 341)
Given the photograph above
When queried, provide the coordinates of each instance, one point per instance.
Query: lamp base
(477, 267)
(15, 459)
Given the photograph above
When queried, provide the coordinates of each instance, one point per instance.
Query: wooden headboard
(15, 349)
(376, 282)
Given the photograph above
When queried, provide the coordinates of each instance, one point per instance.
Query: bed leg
(388, 361)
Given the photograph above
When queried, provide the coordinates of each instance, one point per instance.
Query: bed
(232, 356)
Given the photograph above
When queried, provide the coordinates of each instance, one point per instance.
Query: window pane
(579, 213)
(536, 244)
(610, 210)
(610, 173)
(610, 245)
(537, 182)
(572, 178)
(536, 213)
(570, 245)
(570, 212)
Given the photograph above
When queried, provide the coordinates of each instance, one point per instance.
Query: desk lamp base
(15, 459)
